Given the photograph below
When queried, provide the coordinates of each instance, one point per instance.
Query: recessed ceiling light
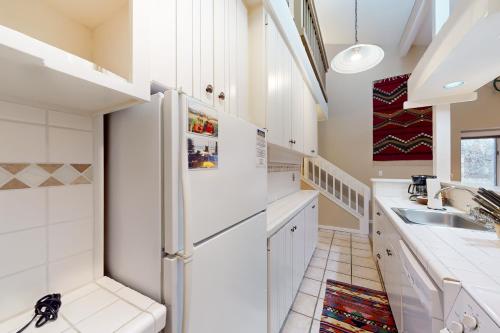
(453, 85)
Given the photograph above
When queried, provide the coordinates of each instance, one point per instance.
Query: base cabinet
(311, 230)
(386, 250)
(289, 253)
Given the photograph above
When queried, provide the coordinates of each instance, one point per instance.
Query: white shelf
(37, 68)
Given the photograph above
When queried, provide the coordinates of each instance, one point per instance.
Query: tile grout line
(321, 282)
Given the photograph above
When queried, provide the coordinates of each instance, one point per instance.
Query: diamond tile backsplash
(15, 176)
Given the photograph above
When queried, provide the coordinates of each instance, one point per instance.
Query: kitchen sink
(438, 218)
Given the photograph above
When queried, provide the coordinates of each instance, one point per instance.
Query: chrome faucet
(444, 189)
(484, 214)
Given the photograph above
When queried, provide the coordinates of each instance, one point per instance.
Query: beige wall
(332, 215)
(346, 138)
(484, 113)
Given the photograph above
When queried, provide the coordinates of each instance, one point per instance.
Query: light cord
(356, 21)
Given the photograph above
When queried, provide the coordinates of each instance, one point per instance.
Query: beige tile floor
(339, 256)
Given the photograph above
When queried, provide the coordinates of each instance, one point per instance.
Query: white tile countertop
(466, 256)
(105, 306)
(280, 211)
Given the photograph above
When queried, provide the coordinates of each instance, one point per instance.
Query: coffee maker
(418, 186)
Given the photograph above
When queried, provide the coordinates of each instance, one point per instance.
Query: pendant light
(358, 57)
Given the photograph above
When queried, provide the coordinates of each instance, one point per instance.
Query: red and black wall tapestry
(399, 134)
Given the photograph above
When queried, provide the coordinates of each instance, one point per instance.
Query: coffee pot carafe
(418, 186)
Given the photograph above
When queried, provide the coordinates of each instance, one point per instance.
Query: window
(479, 158)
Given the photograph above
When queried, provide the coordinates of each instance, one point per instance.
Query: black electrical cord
(47, 308)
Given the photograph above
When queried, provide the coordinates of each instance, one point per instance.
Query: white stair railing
(340, 187)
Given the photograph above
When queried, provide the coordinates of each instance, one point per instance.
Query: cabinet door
(310, 124)
(311, 227)
(280, 272)
(207, 89)
(298, 246)
(242, 61)
(297, 109)
(378, 241)
(234, 53)
(219, 57)
(278, 64)
(394, 273)
(286, 93)
(273, 112)
(163, 42)
(185, 19)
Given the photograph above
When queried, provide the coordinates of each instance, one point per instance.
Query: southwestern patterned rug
(399, 134)
(348, 309)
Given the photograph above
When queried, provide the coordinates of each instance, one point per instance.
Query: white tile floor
(339, 256)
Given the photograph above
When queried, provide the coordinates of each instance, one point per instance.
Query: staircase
(340, 187)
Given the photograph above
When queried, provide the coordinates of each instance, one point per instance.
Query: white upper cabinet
(205, 45)
(76, 56)
(278, 100)
(298, 109)
(310, 124)
(278, 65)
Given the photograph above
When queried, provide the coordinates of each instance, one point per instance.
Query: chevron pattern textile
(399, 134)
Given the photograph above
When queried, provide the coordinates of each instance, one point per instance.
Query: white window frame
(485, 134)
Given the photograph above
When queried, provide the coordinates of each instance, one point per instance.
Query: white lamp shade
(357, 58)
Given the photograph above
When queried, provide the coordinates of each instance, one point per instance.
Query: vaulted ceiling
(380, 22)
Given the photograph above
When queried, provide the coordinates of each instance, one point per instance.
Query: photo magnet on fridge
(203, 124)
(203, 153)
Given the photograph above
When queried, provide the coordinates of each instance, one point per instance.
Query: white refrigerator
(185, 220)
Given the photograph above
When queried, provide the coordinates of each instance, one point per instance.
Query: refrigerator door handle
(188, 282)
(188, 243)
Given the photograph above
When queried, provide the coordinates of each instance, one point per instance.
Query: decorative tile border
(283, 167)
(15, 176)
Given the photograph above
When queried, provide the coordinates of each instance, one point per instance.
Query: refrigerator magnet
(202, 124)
(203, 153)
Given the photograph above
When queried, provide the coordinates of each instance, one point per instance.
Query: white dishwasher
(421, 299)
(468, 316)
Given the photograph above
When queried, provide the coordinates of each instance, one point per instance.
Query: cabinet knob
(222, 96)
(379, 256)
(378, 214)
(313, 206)
(456, 327)
(378, 232)
(290, 141)
(389, 252)
(313, 151)
(469, 321)
(209, 89)
(294, 142)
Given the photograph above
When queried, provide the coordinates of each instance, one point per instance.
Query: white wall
(46, 219)
(345, 138)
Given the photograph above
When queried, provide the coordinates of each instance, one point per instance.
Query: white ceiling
(90, 13)
(380, 22)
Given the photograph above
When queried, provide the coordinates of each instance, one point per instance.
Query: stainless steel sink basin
(438, 218)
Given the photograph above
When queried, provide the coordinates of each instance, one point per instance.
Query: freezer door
(234, 190)
(229, 280)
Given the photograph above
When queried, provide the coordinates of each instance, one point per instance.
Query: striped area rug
(348, 308)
